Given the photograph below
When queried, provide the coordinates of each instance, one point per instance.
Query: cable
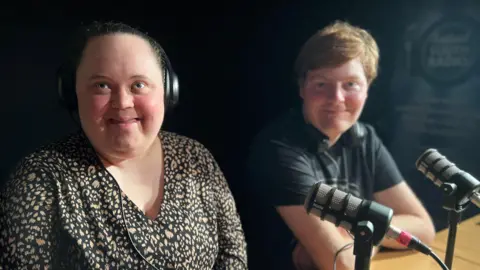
(337, 167)
(347, 246)
(437, 259)
(119, 190)
(128, 231)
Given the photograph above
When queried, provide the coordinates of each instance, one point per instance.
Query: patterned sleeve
(27, 218)
(232, 252)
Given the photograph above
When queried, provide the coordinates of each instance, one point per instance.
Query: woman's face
(119, 85)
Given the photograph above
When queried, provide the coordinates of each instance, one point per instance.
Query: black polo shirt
(285, 161)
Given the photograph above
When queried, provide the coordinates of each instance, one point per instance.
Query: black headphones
(353, 137)
(68, 97)
(356, 135)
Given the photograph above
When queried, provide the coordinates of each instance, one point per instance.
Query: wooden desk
(466, 256)
(412, 260)
(467, 244)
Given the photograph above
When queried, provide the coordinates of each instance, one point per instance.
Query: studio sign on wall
(448, 51)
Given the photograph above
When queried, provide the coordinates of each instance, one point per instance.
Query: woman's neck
(134, 162)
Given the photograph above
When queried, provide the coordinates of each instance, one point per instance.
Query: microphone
(440, 170)
(345, 210)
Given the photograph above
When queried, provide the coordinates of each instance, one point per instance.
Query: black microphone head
(420, 160)
(310, 198)
(333, 205)
(435, 166)
(345, 210)
(441, 171)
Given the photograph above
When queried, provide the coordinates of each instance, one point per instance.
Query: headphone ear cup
(61, 95)
(172, 89)
(66, 89)
(60, 83)
(166, 86)
(357, 134)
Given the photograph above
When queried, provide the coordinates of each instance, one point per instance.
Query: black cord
(128, 231)
(347, 246)
(119, 190)
(437, 259)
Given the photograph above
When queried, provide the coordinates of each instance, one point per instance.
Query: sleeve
(385, 171)
(279, 174)
(27, 219)
(232, 252)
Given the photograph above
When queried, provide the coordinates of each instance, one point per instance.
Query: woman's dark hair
(96, 29)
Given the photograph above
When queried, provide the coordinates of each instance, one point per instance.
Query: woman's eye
(139, 85)
(101, 88)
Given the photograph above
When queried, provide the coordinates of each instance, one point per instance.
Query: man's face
(333, 98)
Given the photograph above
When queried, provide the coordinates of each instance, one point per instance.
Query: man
(323, 142)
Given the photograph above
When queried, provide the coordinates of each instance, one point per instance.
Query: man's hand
(344, 233)
(301, 259)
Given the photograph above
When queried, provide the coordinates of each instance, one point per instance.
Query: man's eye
(352, 86)
(102, 85)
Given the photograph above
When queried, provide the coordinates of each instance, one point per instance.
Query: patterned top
(63, 210)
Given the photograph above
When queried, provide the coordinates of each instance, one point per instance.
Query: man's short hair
(335, 45)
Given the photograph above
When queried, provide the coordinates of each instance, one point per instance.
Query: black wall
(234, 62)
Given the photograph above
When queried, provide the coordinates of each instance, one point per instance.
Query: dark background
(234, 62)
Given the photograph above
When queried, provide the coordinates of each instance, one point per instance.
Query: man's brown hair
(335, 45)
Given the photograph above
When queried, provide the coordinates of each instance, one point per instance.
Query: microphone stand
(455, 210)
(363, 244)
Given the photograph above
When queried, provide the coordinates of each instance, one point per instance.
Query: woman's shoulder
(53, 155)
(185, 149)
(181, 142)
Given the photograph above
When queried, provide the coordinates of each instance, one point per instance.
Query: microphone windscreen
(436, 167)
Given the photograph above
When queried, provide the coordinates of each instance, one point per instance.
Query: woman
(120, 193)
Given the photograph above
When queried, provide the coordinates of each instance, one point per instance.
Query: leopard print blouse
(63, 210)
